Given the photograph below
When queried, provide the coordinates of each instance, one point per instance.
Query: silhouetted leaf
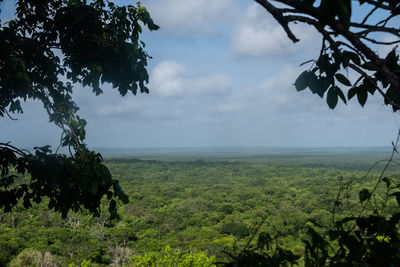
(397, 195)
(352, 56)
(340, 94)
(332, 98)
(342, 79)
(352, 92)
(364, 195)
(301, 82)
(362, 96)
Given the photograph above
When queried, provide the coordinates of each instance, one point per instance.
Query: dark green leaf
(313, 82)
(391, 58)
(332, 98)
(353, 57)
(342, 79)
(352, 92)
(340, 94)
(323, 86)
(301, 82)
(364, 195)
(397, 195)
(368, 66)
(370, 87)
(362, 96)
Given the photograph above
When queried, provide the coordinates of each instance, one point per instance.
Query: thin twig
(394, 151)
(15, 149)
(369, 14)
(9, 116)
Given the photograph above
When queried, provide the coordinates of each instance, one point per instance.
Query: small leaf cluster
(372, 241)
(350, 46)
(325, 76)
(267, 252)
(365, 240)
(341, 10)
(330, 10)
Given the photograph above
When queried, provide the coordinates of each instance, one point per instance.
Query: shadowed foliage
(47, 49)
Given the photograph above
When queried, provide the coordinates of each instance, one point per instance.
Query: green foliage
(28, 257)
(363, 240)
(170, 258)
(371, 241)
(84, 263)
(267, 252)
(236, 229)
(31, 257)
(186, 204)
(49, 47)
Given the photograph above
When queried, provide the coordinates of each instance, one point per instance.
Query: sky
(221, 75)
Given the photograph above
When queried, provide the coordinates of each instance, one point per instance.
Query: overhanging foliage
(47, 49)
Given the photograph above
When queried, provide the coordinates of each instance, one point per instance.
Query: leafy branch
(348, 48)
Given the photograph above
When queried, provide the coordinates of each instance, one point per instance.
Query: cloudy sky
(222, 75)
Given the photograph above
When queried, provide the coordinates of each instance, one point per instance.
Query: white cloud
(384, 50)
(209, 84)
(275, 101)
(173, 92)
(183, 16)
(169, 78)
(227, 107)
(258, 34)
(276, 97)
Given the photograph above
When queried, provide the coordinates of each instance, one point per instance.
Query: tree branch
(352, 48)
(9, 116)
(375, 60)
(13, 148)
(372, 28)
(368, 77)
(331, 30)
(379, 42)
(378, 4)
(369, 14)
(279, 17)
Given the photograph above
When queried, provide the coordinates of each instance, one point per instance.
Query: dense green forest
(311, 208)
(196, 211)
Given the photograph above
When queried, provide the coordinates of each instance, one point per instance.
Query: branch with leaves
(348, 46)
